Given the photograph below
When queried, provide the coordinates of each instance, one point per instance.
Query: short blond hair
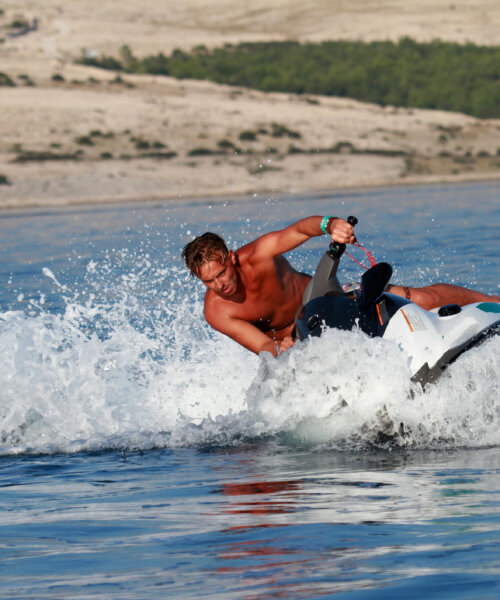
(202, 249)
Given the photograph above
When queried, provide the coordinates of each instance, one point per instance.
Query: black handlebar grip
(335, 249)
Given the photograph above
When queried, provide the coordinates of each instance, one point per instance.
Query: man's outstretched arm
(284, 240)
(246, 334)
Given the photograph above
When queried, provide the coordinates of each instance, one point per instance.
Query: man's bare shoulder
(256, 251)
(216, 309)
(246, 252)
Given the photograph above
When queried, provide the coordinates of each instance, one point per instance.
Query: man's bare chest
(266, 308)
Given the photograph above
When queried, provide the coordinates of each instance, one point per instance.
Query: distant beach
(73, 134)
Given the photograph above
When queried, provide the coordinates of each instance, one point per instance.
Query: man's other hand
(286, 343)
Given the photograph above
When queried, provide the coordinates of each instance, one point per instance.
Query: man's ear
(232, 257)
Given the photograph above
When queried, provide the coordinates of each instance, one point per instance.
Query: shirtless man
(254, 293)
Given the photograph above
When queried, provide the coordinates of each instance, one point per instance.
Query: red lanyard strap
(369, 255)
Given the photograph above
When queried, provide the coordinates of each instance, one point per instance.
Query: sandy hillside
(76, 134)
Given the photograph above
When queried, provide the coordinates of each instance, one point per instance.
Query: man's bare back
(254, 293)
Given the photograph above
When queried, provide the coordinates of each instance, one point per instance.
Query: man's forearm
(311, 226)
(284, 240)
(336, 227)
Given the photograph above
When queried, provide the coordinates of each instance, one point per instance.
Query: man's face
(220, 276)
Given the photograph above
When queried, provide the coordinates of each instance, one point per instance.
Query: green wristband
(324, 223)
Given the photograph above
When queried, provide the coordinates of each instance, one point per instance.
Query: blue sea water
(142, 455)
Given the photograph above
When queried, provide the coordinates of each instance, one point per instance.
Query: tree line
(436, 75)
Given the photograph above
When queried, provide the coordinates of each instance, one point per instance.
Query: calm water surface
(144, 456)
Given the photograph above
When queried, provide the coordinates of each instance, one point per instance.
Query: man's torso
(273, 293)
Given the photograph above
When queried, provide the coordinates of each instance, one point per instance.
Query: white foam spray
(130, 363)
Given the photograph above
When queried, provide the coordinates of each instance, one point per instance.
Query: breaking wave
(128, 362)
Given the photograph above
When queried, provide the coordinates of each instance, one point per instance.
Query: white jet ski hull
(432, 340)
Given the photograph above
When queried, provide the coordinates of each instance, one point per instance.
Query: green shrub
(141, 144)
(35, 156)
(248, 136)
(84, 140)
(26, 79)
(4, 180)
(6, 81)
(160, 155)
(228, 146)
(106, 62)
(57, 77)
(225, 144)
(19, 24)
(282, 131)
(200, 152)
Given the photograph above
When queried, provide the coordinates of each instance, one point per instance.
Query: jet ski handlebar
(325, 278)
(335, 250)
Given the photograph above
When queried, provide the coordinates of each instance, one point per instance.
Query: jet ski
(431, 339)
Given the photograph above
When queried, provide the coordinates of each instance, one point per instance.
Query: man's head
(208, 258)
(202, 249)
